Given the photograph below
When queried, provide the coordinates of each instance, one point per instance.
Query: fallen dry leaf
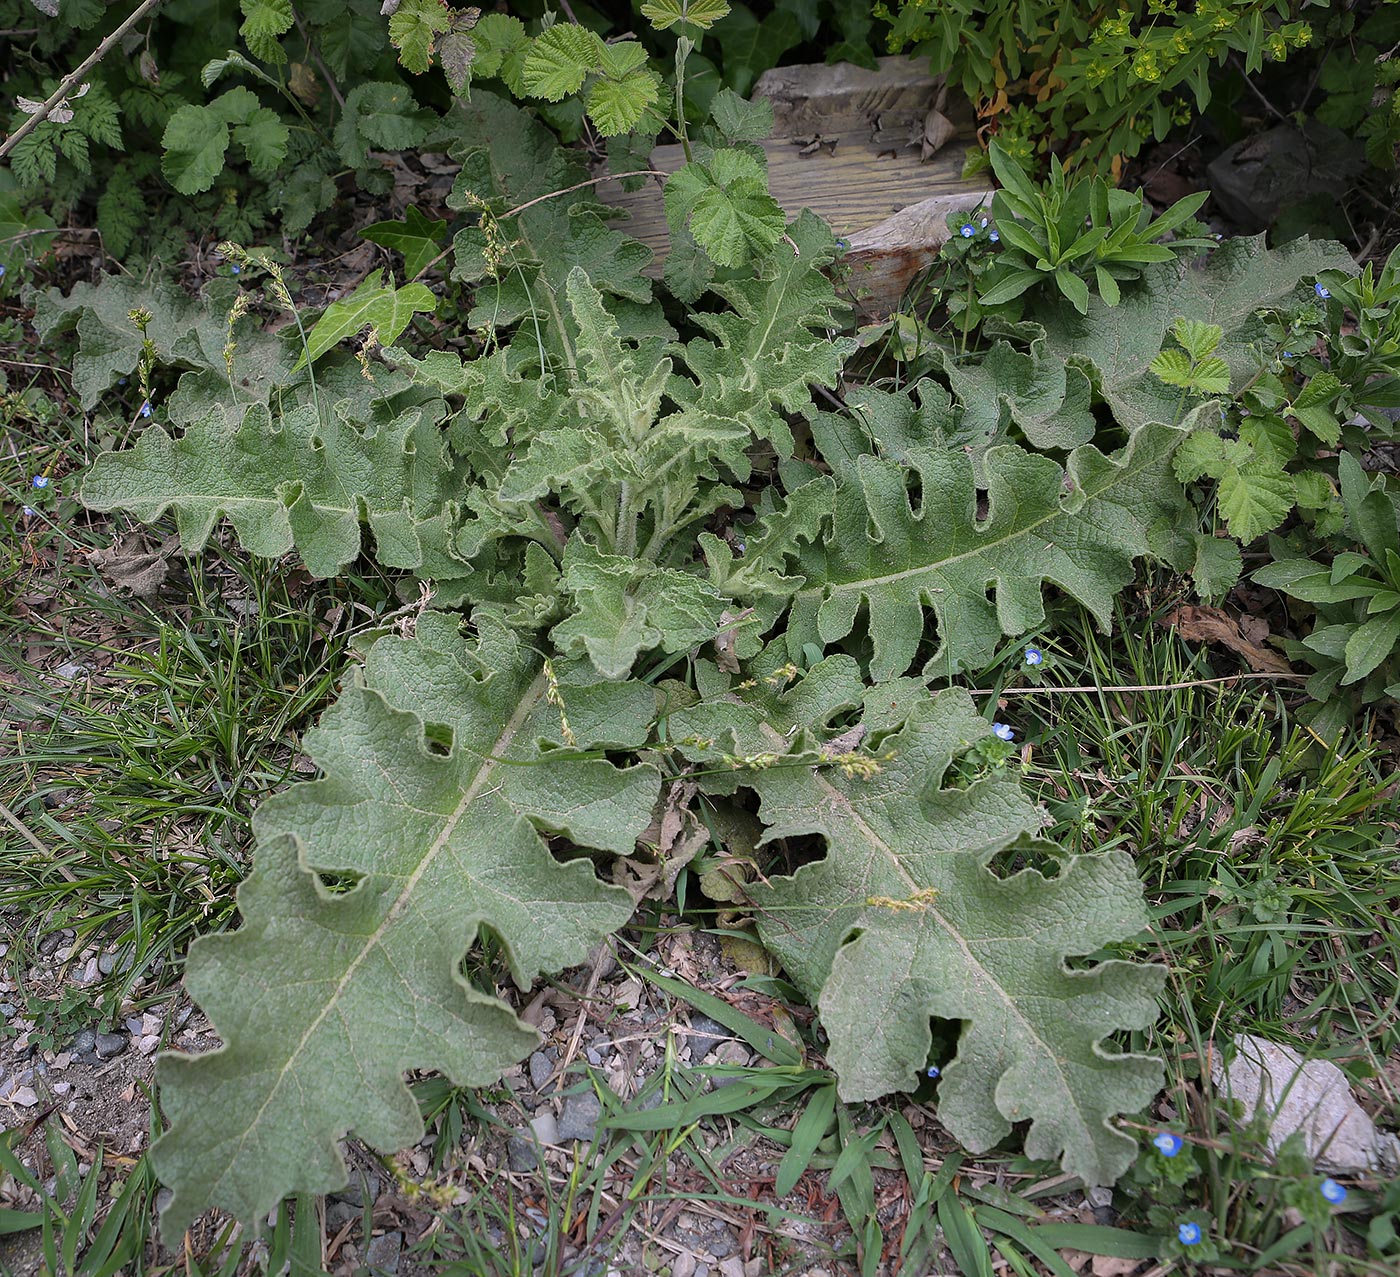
(1198, 624)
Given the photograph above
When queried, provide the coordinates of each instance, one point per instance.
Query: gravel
(541, 1066)
(110, 1045)
(579, 1120)
(382, 1254)
(705, 1034)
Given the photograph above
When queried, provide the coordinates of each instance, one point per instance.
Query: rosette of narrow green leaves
(1072, 232)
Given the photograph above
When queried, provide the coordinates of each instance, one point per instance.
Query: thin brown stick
(578, 186)
(72, 78)
(1133, 687)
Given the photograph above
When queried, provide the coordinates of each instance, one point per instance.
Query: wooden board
(848, 143)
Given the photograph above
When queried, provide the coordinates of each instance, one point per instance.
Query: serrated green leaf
(741, 119)
(699, 13)
(1211, 377)
(1080, 527)
(293, 481)
(1173, 367)
(903, 919)
(416, 237)
(385, 309)
(559, 59)
(1200, 340)
(264, 140)
(380, 114)
(726, 205)
(1254, 501)
(1201, 453)
(263, 22)
(617, 105)
(457, 53)
(355, 988)
(413, 27)
(194, 144)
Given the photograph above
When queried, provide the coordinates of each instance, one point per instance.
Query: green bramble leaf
(382, 307)
(354, 988)
(263, 22)
(417, 238)
(618, 105)
(726, 204)
(1173, 367)
(413, 27)
(1199, 340)
(194, 145)
(698, 13)
(264, 139)
(379, 114)
(559, 60)
(1254, 499)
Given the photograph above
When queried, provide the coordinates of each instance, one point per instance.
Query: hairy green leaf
(726, 204)
(263, 22)
(1079, 527)
(559, 59)
(295, 480)
(324, 999)
(906, 916)
(700, 13)
(416, 237)
(194, 142)
(413, 27)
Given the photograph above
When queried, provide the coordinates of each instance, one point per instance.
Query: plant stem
(71, 79)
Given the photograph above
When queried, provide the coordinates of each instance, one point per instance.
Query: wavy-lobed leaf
(904, 919)
(1078, 527)
(325, 998)
(295, 480)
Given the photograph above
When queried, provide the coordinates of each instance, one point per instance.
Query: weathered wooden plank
(849, 144)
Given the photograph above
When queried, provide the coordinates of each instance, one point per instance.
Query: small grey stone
(84, 1043)
(109, 1045)
(1105, 1215)
(23, 1096)
(702, 1270)
(541, 1066)
(705, 1034)
(52, 941)
(182, 1018)
(62, 1088)
(338, 1214)
(579, 1120)
(134, 1025)
(382, 1254)
(107, 963)
(71, 669)
(520, 1153)
(359, 1188)
(594, 1058)
(720, 1243)
(546, 1129)
(91, 973)
(7, 1009)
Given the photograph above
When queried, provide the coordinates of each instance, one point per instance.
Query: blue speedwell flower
(146, 408)
(29, 512)
(235, 270)
(1034, 656)
(40, 481)
(2, 272)
(994, 237)
(1188, 1233)
(1167, 1144)
(1333, 1191)
(935, 1071)
(1321, 292)
(967, 231)
(1003, 731)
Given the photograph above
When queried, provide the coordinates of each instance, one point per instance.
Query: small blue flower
(40, 481)
(935, 1071)
(234, 270)
(1034, 656)
(1002, 731)
(1333, 1191)
(2, 272)
(842, 245)
(146, 408)
(984, 223)
(1167, 1144)
(1321, 292)
(1188, 1234)
(29, 512)
(1288, 354)
(967, 232)
(121, 381)
(994, 237)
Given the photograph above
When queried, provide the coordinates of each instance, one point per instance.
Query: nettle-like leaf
(413, 28)
(1115, 346)
(624, 91)
(295, 480)
(379, 114)
(907, 915)
(325, 998)
(1078, 527)
(263, 22)
(700, 13)
(197, 138)
(724, 201)
(381, 307)
(559, 60)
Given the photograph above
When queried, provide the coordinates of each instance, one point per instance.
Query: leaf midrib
(489, 758)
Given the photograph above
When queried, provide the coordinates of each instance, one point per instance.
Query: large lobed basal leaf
(1078, 527)
(904, 918)
(324, 998)
(298, 479)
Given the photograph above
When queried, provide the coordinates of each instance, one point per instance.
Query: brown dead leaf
(1199, 624)
(133, 565)
(678, 835)
(938, 129)
(724, 640)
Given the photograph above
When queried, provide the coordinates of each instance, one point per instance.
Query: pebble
(541, 1066)
(579, 1120)
(733, 1266)
(24, 1097)
(382, 1254)
(520, 1153)
(134, 1025)
(85, 1042)
(62, 1088)
(72, 669)
(91, 973)
(705, 1034)
(150, 1024)
(51, 942)
(546, 1129)
(338, 1214)
(7, 1009)
(107, 963)
(109, 1045)
(148, 1043)
(360, 1188)
(683, 1265)
(594, 1057)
